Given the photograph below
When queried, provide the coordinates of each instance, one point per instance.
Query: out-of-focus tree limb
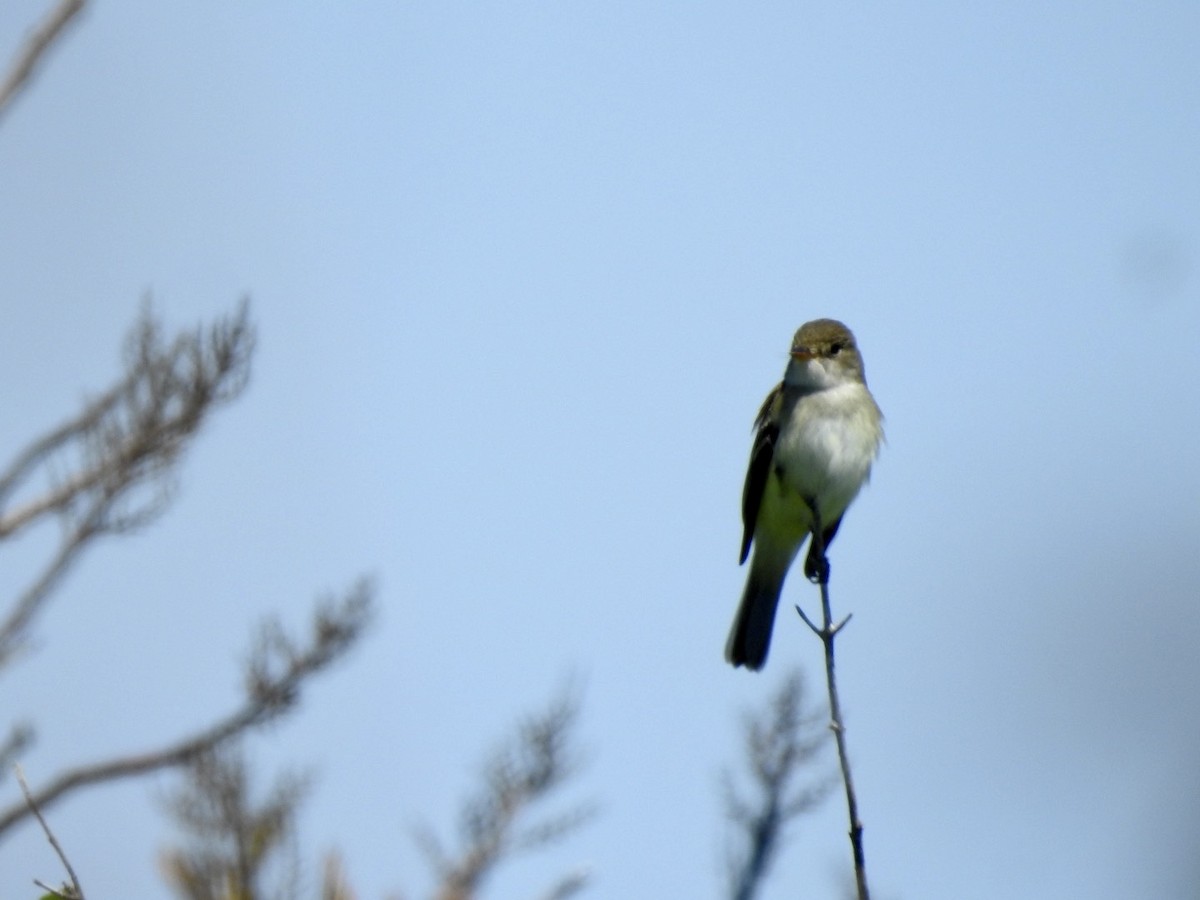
(335, 885)
(35, 48)
(111, 468)
(536, 761)
(277, 670)
(20, 739)
(233, 841)
(781, 742)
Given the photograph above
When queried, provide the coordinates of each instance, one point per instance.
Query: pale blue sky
(523, 273)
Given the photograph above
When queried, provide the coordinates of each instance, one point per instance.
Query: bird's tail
(750, 636)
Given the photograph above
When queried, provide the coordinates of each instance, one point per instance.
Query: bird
(816, 437)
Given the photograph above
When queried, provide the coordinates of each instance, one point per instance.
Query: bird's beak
(801, 354)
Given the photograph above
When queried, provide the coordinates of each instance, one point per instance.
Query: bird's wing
(767, 425)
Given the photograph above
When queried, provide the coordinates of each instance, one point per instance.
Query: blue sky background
(523, 273)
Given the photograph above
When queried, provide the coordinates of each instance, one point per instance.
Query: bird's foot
(816, 569)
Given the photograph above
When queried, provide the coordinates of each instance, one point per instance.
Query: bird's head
(823, 355)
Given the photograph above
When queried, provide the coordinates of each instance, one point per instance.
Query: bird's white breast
(826, 446)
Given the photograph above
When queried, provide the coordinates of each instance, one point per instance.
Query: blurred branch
(334, 883)
(109, 469)
(232, 840)
(780, 742)
(19, 739)
(537, 760)
(569, 886)
(72, 891)
(827, 632)
(277, 670)
(35, 48)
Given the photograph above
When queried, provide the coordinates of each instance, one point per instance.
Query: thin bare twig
(827, 632)
(33, 806)
(56, 892)
(275, 674)
(35, 48)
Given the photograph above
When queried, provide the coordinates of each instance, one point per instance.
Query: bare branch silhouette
(781, 742)
(827, 632)
(35, 48)
(520, 774)
(110, 469)
(72, 890)
(275, 673)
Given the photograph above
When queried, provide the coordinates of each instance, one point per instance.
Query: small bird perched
(817, 434)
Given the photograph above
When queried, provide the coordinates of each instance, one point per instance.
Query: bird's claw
(817, 570)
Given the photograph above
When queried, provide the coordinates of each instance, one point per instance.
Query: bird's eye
(835, 349)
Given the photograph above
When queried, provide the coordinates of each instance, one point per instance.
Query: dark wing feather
(759, 469)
